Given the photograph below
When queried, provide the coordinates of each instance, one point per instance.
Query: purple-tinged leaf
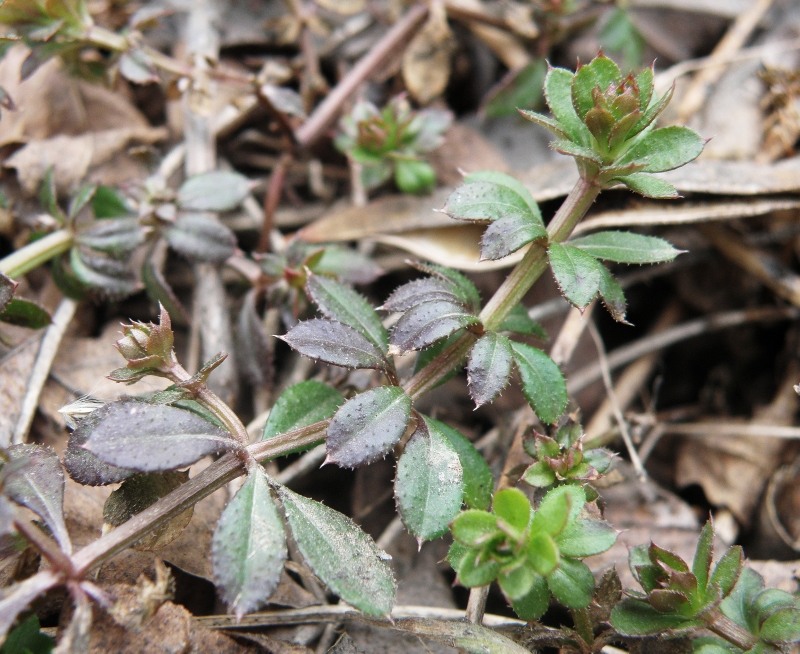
(489, 367)
(613, 296)
(542, 382)
(418, 291)
(626, 247)
(366, 427)
(577, 273)
(334, 343)
(508, 235)
(36, 481)
(429, 484)
(199, 237)
(601, 72)
(426, 323)
(25, 313)
(7, 286)
(153, 438)
(118, 237)
(340, 554)
(300, 405)
(83, 466)
(341, 303)
(248, 548)
(103, 274)
(218, 190)
(460, 284)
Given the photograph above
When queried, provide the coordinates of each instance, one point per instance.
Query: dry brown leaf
(426, 60)
(77, 159)
(15, 367)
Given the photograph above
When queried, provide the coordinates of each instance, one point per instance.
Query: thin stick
(41, 367)
(623, 426)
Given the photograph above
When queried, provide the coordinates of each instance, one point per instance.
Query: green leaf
(428, 486)
(414, 176)
(151, 438)
(782, 626)
(542, 382)
(35, 480)
(334, 343)
(460, 284)
(572, 583)
(248, 548)
(474, 572)
(533, 605)
(626, 247)
(649, 186)
(601, 72)
(26, 638)
(558, 93)
(107, 202)
(489, 367)
(544, 121)
(367, 426)
(300, 405)
(539, 475)
(340, 554)
(199, 237)
(703, 556)
(218, 190)
(112, 279)
(581, 152)
(633, 617)
(512, 506)
(738, 604)
(517, 582)
(474, 528)
(558, 508)
(664, 149)
(726, 572)
(543, 553)
(586, 538)
(519, 322)
(477, 475)
(25, 313)
(613, 296)
(577, 273)
(118, 237)
(343, 304)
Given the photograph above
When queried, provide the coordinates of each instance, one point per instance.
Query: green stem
(513, 289)
(36, 253)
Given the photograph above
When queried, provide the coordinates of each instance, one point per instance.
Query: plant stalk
(36, 253)
(726, 628)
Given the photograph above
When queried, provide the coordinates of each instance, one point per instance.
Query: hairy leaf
(489, 367)
(577, 273)
(25, 313)
(558, 508)
(218, 190)
(366, 427)
(428, 487)
(106, 275)
(199, 237)
(36, 481)
(533, 605)
(600, 73)
(558, 93)
(343, 304)
(665, 148)
(151, 437)
(248, 548)
(508, 235)
(460, 284)
(572, 583)
(427, 289)
(542, 382)
(634, 617)
(649, 186)
(478, 480)
(335, 343)
(513, 507)
(426, 323)
(340, 554)
(300, 405)
(135, 494)
(612, 295)
(584, 538)
(626, 247)
(118, 237)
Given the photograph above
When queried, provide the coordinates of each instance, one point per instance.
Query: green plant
(534, 551)
(391, 142)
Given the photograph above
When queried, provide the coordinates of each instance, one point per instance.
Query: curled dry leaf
(426, 61)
